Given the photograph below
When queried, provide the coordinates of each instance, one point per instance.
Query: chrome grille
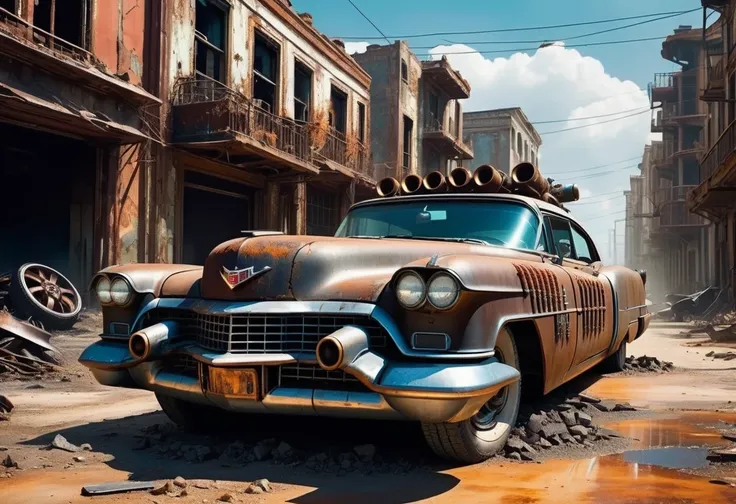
(264, 333)
(312, 372)
(276, 333)
(182, 364)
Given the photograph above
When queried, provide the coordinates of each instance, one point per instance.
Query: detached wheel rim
(486, 417)
(50, 290)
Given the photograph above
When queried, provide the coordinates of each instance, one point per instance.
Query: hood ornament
(235, 277)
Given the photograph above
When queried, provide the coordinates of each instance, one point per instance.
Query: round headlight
(442, 291)
(120, 292)
(103, 290)
(410, 290)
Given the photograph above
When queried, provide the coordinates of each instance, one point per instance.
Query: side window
(584, 250)
(562, 236)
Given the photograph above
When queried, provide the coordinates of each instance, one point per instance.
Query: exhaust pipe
(527, 179)
(549, 198)
(459, 179)
(435, 182)
(412, 184)
(145, 343)
(565, 194)
(489, 180)
(388, 187)
(340, 348)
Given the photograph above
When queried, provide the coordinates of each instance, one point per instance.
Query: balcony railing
(671, 208)
(434, 125)
(22, 30)
(205, 108)
(663, 80)
(719, 153)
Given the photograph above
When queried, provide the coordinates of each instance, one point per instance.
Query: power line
(594, 175)
(590, 117)
(529, 28)
(609, 214)
(578, 203)
(369, 20)
(527, 49)
(596, 167)
(594, 124)
(575, 37)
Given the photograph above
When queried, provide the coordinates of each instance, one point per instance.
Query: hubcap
(485, 419)
(49, 290)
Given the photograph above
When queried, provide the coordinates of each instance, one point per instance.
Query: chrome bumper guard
(427, 391)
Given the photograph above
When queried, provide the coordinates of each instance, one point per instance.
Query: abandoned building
(155, 132)
(678, 241)
(501, 138)
(416, 116)
(71, 106)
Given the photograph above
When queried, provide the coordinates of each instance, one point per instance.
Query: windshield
(494, 222)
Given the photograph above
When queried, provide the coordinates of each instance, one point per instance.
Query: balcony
(442, 74)
(663, 87)
(664, 162)
(679, 114)
(671, 208)
(715, 88)
(714, 4)
(715, 195)
(22, 42)
(445, 138)
(209, 116)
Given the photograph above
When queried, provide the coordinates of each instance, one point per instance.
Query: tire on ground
(25, 306)
(464, 441)
(616, 361)
(189, 416)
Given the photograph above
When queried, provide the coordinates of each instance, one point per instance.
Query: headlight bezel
(118, 280)
(100, 280)
(455, 283)
(423, 297)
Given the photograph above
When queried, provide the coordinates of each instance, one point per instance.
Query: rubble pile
(646, 364)
(726, 356)
(6, 407)
(166, 441)
(567, 423)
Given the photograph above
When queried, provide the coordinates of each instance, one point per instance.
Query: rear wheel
(485, 434)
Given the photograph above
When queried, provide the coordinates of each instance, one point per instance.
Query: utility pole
(615, 247)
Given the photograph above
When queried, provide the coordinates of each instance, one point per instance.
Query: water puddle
(671, 458)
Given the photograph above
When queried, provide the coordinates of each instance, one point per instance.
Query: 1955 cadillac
(433, 303)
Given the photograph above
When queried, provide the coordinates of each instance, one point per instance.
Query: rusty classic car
(438, 302)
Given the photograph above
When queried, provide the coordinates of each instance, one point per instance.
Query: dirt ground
(660, 458)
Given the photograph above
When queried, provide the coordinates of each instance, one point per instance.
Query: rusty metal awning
(23, 108)
(329, 166)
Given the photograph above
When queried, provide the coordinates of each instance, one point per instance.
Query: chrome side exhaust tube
(341, 348)
(459, 179)
(145, 343)
(388, 187)
(490, 180)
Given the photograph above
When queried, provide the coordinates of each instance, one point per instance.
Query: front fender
(149, 278)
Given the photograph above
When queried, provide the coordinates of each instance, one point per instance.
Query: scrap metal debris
(726, 356)
(117, 487)
(24, 348)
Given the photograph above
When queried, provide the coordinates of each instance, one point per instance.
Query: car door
(593, 293)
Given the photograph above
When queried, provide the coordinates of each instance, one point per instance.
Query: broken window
(404, 72)
(321, 212)
(69, 22)
(302, 92)
(265, 72)
(338, 109)
(408, 135)
(361, 122)
(209, 39)
(434, 108)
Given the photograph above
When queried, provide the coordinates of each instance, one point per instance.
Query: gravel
(646, 364)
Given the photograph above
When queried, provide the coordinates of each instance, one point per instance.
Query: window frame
(307, 71)
(222, 52)
(572, 226)
(404, 71)
(276, 47)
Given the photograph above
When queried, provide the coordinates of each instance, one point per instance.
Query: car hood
(311, 268)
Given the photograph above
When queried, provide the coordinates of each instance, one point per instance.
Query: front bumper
(408, 389)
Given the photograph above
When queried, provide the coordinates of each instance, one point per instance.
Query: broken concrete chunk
(86, 447)
(579, 430)
(263, 484)
(553, 429)
(731, 436)
(9, 463)
(79, 459)
(262, 452)
(568, 417)
(544, 443)
(180, 482)
(605, 405)
(226, 497)
(584, 419)
(536, 422)
(514, 456)
(61, 443)
(163, 489)
(588, 399)
(624, 407)
(365, 452)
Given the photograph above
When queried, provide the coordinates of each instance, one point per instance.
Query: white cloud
(356, 47)
(560, 83)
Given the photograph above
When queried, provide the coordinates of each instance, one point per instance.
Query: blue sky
(565, 84)
(636, 61)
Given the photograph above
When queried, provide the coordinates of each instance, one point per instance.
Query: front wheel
(485, 434)
(615, 362)
(189, 416)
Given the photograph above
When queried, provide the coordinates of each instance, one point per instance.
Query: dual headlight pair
(117, 292)
(442, 290)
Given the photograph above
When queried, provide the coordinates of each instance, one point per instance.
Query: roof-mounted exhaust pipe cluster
(525, 179)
